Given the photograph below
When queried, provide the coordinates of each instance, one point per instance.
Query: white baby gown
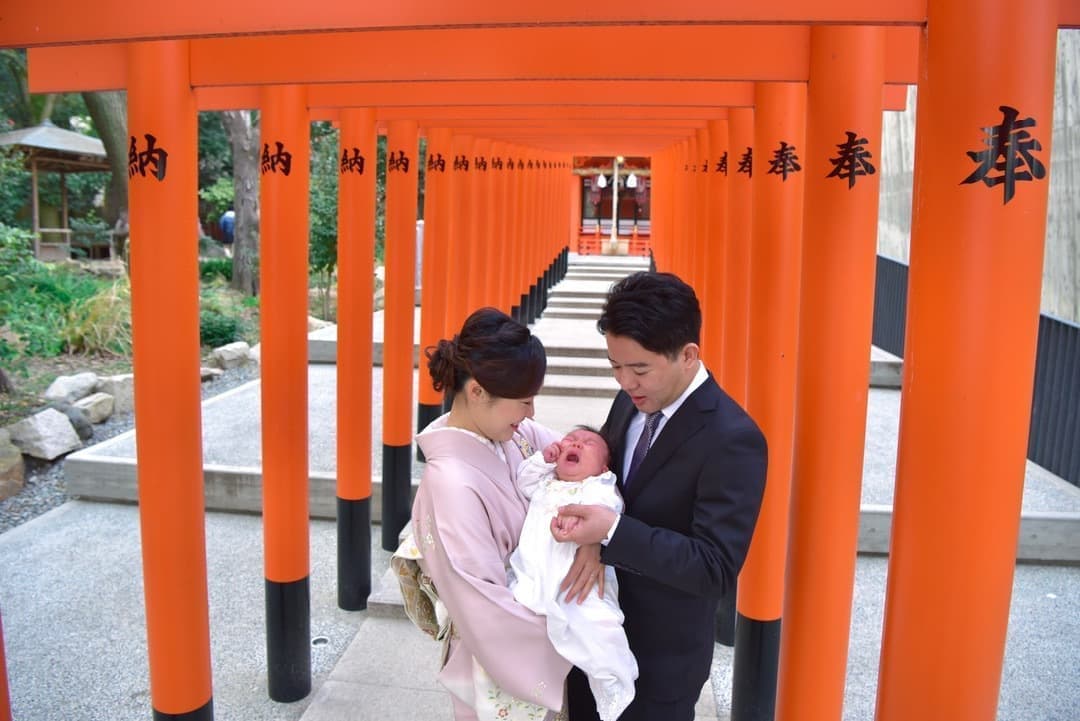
(589, 635)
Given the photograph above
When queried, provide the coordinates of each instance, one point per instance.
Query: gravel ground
(45, 487)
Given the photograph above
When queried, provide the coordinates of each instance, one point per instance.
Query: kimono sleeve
(463, 557)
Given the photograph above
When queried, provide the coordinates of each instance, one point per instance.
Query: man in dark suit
(691, 466)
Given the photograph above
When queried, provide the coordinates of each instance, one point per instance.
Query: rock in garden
(314, 323)
(78, 419)
(232, 355)
(97, 406)
(209, 374)
(68, 389)
(122, 389)
(12, 473)
(47, 434)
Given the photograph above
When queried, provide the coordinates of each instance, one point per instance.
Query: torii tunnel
(762, 122)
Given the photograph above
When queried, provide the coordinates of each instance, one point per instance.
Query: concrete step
(558, 300)
(1049, 528)
(582, 366)
(595, 274)
(592, 386)
(572, 313)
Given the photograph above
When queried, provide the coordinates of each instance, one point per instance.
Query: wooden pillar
(575, 187)
(162, 187)
(35, 207)
(488, 220)
(400, 253)
(283, 259)
(663, 198)
(356, 293)
(502, 230)
(713, 330)
(520, 289)
(843, 144)
(461, 246)
(530, 235)
(472, 225)
(984, 125)
(702, 192)
(682, 244)
(733, 369)
(436, 267)
(780, 130)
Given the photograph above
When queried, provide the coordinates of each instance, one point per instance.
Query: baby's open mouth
(572, 457)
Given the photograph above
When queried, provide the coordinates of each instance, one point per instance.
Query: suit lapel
(622, 412)
(678, 430)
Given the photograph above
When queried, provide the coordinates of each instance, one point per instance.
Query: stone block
(68, 389)
(122, 389)
(97, 406)
(232, 355)
(12, 468)
(46, 435)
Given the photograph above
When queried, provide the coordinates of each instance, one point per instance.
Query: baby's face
(583, 454)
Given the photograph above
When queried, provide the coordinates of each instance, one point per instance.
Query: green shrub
(101, 324)
(217, 328)
(39, 302)
(218, 197)
(211, 268)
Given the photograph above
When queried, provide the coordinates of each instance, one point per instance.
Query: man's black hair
(658, 310)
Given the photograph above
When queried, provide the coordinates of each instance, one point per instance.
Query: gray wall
(1061, 268)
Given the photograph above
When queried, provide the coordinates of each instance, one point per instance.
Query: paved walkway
(74, 624)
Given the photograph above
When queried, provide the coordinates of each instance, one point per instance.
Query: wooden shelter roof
(55, 149)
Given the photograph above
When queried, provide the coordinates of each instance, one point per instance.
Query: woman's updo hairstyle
(504, 357)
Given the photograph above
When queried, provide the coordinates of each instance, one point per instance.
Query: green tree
(243, 131)
(322, 247)
(109, 113)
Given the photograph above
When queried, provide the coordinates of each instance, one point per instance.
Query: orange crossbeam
(528, 53)
(26, 24)
(639, 93)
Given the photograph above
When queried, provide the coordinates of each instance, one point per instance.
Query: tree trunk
(109, 113)
(244, 138)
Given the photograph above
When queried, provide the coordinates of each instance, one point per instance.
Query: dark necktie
(642, 447)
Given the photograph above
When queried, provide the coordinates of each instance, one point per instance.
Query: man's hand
(583, 525)
(551, 453)
(585, 572)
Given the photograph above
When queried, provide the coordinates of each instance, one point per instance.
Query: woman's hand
(585, 572)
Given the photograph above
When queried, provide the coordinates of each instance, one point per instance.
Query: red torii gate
(987, 450)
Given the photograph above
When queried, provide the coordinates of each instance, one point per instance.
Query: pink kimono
(466, 520)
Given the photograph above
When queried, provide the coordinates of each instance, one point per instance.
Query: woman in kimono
(468, 515)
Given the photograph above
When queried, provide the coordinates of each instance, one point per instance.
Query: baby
(589, 635)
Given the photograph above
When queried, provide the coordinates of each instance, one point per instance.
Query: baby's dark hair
(504, 357)
(603, 436)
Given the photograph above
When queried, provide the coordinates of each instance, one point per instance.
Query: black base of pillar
(425, 414)
(757, 657)
(288, 639)
(725, 618)
(396, 493)
(353, 553)
(515, 313)
(537, 292)
(203, 713)
(526, 311)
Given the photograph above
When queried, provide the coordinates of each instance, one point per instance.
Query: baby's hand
(551, 453)
(562, 526)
